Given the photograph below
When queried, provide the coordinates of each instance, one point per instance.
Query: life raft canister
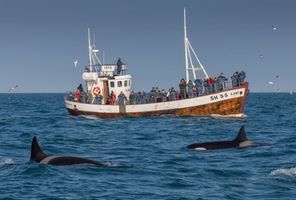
(96, 90)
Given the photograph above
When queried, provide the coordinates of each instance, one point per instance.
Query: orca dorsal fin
(36, 153)
(241, 136)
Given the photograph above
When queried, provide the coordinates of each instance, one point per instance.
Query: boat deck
(228, 102)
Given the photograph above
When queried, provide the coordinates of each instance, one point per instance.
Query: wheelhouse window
(119, 84)
(125, 83)
(112, 84)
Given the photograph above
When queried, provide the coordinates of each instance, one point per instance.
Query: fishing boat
(105, 81)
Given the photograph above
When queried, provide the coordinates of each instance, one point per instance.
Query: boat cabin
(103, 79)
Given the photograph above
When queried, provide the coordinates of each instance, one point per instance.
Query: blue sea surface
(147, 156)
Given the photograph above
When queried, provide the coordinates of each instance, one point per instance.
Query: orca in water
(39, 156)
(241, 141)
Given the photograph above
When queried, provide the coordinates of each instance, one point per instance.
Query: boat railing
(227, 85)
(109, 70)
(155, 97)
(92, 68)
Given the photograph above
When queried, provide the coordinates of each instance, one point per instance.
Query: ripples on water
(148, 156)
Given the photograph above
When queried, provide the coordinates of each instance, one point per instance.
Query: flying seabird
(13, 88)
(75, 63)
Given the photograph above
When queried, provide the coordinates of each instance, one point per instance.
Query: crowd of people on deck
(85, 97)
(191, 89)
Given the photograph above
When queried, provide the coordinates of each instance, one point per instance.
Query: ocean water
(147, 156)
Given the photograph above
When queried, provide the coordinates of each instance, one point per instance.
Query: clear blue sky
(39, 40)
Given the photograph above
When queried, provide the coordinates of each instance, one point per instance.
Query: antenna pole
(186, 47)
(89, 51)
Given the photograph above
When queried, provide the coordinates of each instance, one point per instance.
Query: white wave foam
(229, 116)
(6, 161)
(91, 117)
(109, 164)
(284, 172)
(116, 165)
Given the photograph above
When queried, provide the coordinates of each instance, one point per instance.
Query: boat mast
(188, 49)
(185, 47)
(92, 54)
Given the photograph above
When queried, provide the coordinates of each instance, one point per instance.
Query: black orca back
(39, 156)
(36, 153)
(68, 160)
(213, 145)
(241, 136)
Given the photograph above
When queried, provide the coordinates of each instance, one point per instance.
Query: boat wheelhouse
(102, 79)
(108, 92)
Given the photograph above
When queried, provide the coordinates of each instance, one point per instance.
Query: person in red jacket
(78, 95)
(112, 98)
(210, 84)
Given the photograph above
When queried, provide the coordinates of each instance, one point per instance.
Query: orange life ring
(96, 90)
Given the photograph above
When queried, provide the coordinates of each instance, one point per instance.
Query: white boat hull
(227, 102)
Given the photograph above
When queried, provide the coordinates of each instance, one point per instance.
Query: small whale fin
(36, 153)
(241, 136)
